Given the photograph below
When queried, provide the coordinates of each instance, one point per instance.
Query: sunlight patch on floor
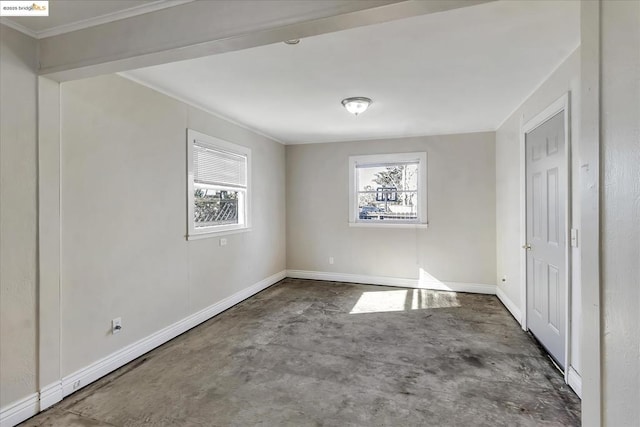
(403, 300)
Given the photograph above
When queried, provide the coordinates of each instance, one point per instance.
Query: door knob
(526, 246)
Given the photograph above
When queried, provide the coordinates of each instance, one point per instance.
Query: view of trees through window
(388, 192)
(215, 206)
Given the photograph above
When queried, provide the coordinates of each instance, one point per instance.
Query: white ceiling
(463, 70)
(71, 15)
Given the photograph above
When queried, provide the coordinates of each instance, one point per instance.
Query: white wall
(123, 215)
(458, 245)
(566, 78)
(589, 200)
(18, 215)
(620, 212)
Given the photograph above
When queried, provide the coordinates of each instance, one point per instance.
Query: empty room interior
(331, 212)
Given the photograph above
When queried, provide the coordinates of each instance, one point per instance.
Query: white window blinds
(213, 166)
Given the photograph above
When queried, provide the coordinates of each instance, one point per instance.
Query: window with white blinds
(218, 185)
(217, 167)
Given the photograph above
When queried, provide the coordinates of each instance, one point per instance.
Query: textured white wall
(458, 245)
(123, 216)
(18, 215)
(566, 78)
(620, 211)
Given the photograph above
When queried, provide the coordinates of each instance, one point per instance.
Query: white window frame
(216, 230)
(354, 161)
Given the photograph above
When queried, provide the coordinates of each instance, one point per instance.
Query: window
(388, 189)
(218, 183)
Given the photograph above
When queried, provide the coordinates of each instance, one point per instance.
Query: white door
(546, 235)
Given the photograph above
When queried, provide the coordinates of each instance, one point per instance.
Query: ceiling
(463, 70)
(71, 15)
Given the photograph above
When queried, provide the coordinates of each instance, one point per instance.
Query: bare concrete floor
(312, 353)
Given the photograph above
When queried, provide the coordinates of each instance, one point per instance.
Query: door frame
(559, 105)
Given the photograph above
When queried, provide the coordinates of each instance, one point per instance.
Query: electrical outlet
(223, 242)
(76, 385)
(330, 260)
(116, 325)
(504, 279)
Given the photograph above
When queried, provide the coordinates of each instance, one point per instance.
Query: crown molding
(97, 20)
(24, 30)
(537, 87)
(185, 100)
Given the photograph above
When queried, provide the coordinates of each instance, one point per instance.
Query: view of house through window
(388, 189)
(388, 192)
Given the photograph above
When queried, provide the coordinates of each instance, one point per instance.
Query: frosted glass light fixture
(356, 105)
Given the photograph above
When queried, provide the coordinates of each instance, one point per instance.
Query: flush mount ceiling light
(292, 41)
(356, 105)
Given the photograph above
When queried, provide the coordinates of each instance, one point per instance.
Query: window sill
(211, 234)
(388, 225)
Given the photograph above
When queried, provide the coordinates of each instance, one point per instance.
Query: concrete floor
(312, 353)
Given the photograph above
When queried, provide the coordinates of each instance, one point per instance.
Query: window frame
(194, 233)
(373, 159)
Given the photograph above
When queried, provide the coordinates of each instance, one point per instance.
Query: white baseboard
(477, 288)
(575, 381)
(513, 309)
(50, 395)
(23, 409)
(18, 411)
(100, 368)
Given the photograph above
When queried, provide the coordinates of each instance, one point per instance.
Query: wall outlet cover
(116, 325)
